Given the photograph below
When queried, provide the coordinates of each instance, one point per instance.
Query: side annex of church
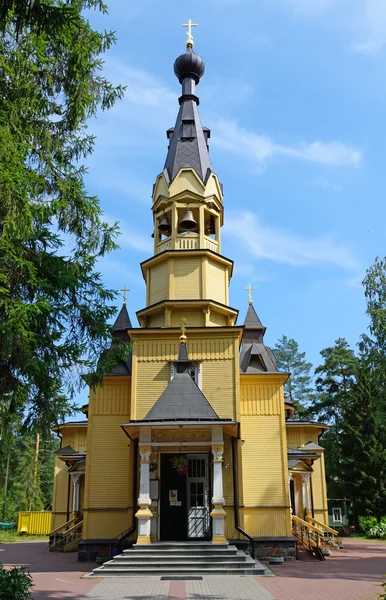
(191, 438)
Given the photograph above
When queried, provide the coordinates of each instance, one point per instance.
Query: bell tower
(187, 276)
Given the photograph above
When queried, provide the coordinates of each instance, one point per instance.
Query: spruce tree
(54, 308)
(299, 387)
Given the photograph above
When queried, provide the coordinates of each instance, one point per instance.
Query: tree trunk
(5, 487)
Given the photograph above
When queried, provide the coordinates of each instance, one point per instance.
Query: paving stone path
(354, 573)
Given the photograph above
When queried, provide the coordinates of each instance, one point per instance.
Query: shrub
(379, 531)
(367, 523)
(15, 584)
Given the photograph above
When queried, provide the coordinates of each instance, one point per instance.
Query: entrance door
(197, 496)
(172, 501)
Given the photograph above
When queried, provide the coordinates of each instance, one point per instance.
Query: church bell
(164, 224)
(188, 223)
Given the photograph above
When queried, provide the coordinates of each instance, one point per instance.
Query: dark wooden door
(173, 512)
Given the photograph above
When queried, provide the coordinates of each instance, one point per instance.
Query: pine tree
(54, 308)
(299, 387)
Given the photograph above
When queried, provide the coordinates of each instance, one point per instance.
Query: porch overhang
(132, 429)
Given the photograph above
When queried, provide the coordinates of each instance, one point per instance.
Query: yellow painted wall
(298, 437)
(262, 459)
(108, 491)
(217, 319)
(187, 278)
(267, 521)
(157, 320)
(218, 386)
(195, 318)
(76, 437)
(216, 278)
(264, 465)
(152, 378)
(158, 283)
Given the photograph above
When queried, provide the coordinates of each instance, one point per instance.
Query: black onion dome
(189, 64)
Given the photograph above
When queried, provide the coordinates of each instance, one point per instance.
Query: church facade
(191, 438)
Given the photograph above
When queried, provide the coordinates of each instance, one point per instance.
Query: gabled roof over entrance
(182, 399)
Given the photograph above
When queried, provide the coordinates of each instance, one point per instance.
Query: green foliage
(15, 584)
(334, 379)
(54, 308)
(30, 476)
(367, 523)
(378, 531)
(299, 387)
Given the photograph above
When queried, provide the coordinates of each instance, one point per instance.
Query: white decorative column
(218, 513)
(306, 495)
(144, 513)
(75, 493)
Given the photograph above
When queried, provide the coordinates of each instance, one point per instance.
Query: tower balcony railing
(187, 242)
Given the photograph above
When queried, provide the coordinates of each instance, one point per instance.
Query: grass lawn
(7, 537)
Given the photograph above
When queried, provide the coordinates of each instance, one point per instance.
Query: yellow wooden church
(191, 439)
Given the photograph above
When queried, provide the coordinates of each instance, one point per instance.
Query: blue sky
(295, 96)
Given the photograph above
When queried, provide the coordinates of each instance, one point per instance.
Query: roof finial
(249, 290)
(124, 290)
(184, 323)
(189, 25)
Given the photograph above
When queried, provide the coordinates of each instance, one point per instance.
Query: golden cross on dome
(189, 25)
(183, 326)
(249, 290)
(124, 290)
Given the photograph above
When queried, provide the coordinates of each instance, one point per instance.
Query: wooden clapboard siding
(187, 278)
(215, 281)
(159, 283)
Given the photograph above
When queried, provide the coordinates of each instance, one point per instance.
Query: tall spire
(188, 147)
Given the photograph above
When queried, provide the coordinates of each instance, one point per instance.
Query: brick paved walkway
(350, 574)
(210, 588)
(56, 576)
(354, 573)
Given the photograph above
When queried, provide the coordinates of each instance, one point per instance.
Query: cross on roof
(249, 290)
(189, 25)
(124, 290)
(183, 325)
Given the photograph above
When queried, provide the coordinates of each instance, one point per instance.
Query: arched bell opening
(163, 226)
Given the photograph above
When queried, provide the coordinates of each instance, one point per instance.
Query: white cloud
(363, 20)
(229, 136)
(373, 23)
(281, 246)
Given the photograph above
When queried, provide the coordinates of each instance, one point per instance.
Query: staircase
(308, 536)
(66, 538)
(173, 559)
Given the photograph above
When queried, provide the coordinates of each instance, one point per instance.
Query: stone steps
(180, 559)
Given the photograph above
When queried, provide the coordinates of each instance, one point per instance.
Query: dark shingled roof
(252, 321)
(122, 322)
(182, 399)
(188, 146)
(120, 327)
(255, 356)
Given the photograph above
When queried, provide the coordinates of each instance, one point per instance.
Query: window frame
(334, 520)
(197, 373)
